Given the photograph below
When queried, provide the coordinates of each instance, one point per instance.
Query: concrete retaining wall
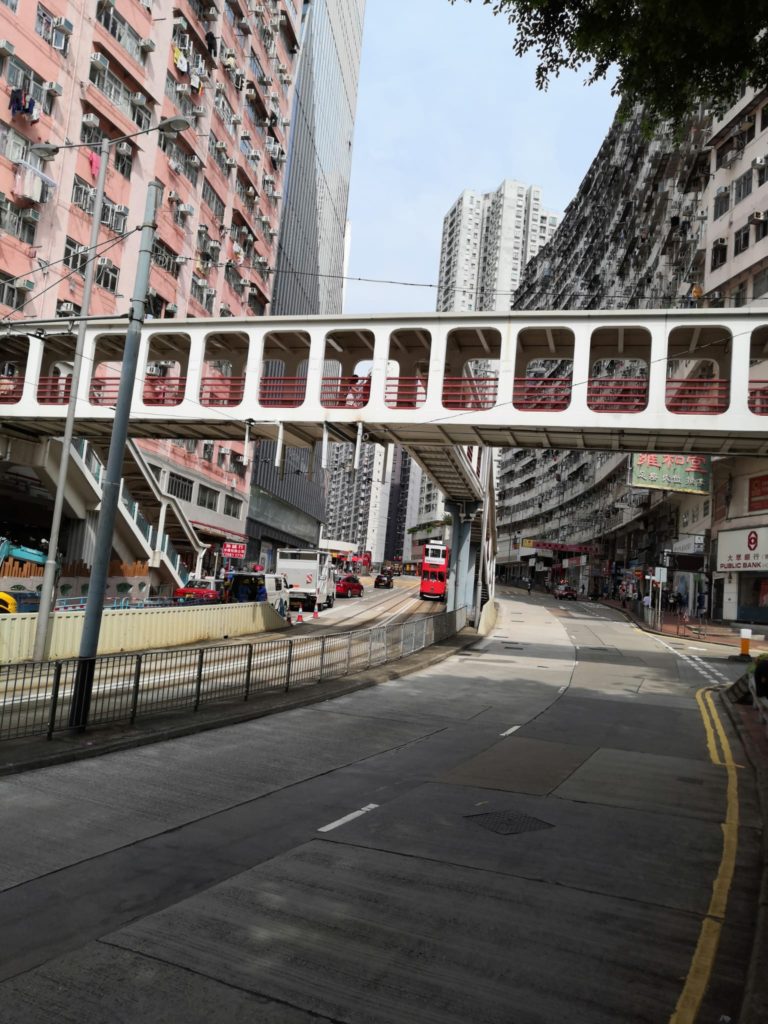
(136, 629)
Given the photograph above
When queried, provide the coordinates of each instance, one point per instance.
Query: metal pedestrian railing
(36, 698)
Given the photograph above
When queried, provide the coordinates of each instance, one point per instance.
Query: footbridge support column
(461, 576)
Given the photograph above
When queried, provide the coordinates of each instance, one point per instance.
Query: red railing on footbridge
(405, 392)
(541, 394)
(617, 394)
(54, 390)
(10, 389)
(345, 392)
(530, 394)
(282, 392)
(470, 392)
(758, 397)
(699, 397)
(222, 391)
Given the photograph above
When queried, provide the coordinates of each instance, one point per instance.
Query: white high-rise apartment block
(487, 240)
(488, 237)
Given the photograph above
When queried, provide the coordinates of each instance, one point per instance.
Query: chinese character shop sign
(689, 474)
(745, 550)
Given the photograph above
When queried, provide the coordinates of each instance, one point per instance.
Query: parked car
(383, 580)
(349, 586)
(199, 591)
(564, 592)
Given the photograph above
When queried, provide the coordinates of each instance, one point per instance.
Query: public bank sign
(744, 550)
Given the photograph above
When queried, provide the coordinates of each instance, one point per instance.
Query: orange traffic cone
(315, 613)
(299, 618)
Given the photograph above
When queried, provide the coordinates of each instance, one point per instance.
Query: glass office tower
(310, 258)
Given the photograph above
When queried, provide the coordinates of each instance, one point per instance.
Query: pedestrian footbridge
(683, 380)
(441, 385)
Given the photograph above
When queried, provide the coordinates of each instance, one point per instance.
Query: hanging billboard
(688, 474)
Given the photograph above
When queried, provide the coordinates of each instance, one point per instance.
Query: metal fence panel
(270, 665)
(335, 659)
(305, 668)
(168, 681)
(359, 651)
(378, 645)
(35, 698)
(112, 693)
(26, 699)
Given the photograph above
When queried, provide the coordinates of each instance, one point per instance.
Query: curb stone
(754, 1007)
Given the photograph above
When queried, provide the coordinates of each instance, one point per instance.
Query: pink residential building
(75, 73)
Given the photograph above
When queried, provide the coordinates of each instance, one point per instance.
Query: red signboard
(758, 493)
(231, 549)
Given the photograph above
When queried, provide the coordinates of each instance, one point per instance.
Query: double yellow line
(709, 936)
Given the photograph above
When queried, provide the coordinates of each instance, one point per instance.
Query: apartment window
(107, 274)
(165, 258)
(225, 111)
(761, 229)
(722, 203)
(112, 215)
(120, 30)
(180, 487)
(12, 4)
(207, 497)
(124, 160)
(14, 220)
(719, 255)
(182, 160)
(212, 201)
(9, 293)
(44, 27)
(219, 152)
(739, 296)
(22, 77)
(742, 187)
(181, 100)
(232, 506)
(200, 291)
(73, 257)
(760, 282)
(120, 95)
(741, 240)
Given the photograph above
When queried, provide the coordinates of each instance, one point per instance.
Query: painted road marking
(703, 960)
(562, 689)
(348, 817)
(510, 731)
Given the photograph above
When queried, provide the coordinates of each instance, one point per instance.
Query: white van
(244, 586)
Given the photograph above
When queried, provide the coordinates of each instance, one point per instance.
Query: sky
(444, 105)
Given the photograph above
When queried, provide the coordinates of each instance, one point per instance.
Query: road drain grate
(508, 823)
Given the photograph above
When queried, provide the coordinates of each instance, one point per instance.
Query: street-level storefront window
(753, 597)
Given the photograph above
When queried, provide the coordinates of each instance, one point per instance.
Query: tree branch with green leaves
(668, 56)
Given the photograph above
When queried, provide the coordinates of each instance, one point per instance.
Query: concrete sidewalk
(694, 629)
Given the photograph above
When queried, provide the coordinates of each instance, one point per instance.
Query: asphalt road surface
(551, 828)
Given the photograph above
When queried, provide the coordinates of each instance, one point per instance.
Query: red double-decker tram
(434, 572)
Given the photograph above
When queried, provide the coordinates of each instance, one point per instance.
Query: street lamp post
(48, 152)
(110, 492)
(49, 573)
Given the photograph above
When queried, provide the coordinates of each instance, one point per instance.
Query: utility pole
(81, 697)
(49, 573)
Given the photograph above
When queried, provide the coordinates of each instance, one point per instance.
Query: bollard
(746, 636)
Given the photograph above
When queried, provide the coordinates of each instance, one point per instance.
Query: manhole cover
(508, 823)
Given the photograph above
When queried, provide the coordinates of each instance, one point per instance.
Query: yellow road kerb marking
(709, 936)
